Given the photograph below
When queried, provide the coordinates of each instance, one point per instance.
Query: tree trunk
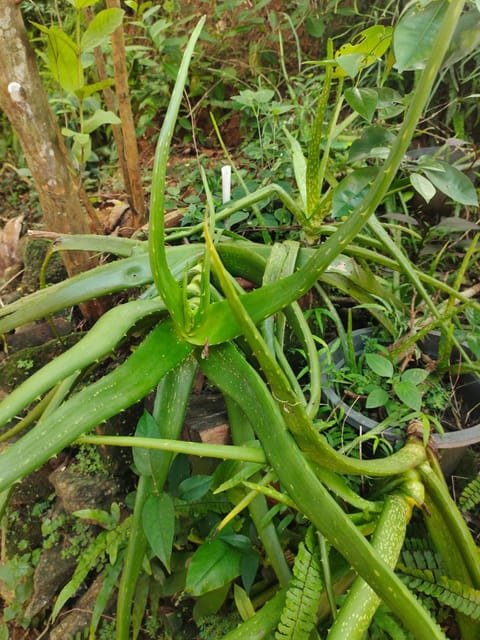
(134, 186)
(23, 98)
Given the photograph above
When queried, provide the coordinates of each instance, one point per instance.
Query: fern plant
(299, 614)
(470, 496)
(421, 569)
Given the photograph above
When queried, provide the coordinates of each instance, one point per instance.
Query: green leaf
(350, 192)
(379, 365)
(364, 50)
(377, 398)
(167, 286)
(415, 375)
(100, 28)
(409, 394)
(100, 516)
(455, 184)
(213, 565)
(64, 60)
(249, 98)
(249, 563)
(158, 519)
(415, 33)
(363, 101)
(99, 118)
(375, 142)
(456, 225)
(110, 577)
(147, 460)
(82, 4)
(95, 87)
(390, 103)
(423, 186)
(210, 603)
(238, 541)
(88, 407)
(465, 39)
(243, 603)
(195, 487)
(82, 147)
(299, 167)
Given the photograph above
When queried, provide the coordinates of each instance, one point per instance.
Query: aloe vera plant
(185, 323)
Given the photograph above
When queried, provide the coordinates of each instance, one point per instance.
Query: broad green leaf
(423, 186)
(249, 98)
(210, 603)
(100, 28)
(90, 89)
(349, 64)
(64, 60)
(375, 142)
(147, 460)
(377, 398)
(365, 49)
(415, 375)
(100, 516)
(379, 365)
(415, 34)
(98, 119)
(82, 147)
(349, 193)
(363, 101)
(68, 133)
(238, 541)
(409, 394)
(458, 225)
(213, 565)
(158, 519)
(455, 184)
(390, 103)
(465, 39)
(195, 487)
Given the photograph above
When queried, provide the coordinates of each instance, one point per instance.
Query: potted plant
(376, 398)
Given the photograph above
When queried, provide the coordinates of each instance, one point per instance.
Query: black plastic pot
(451, 445)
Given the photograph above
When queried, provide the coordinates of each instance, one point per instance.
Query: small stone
(77, 491)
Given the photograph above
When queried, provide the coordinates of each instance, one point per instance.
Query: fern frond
(100, 547)
(299, 614)
(470, 496)
(110, 575)
(387, 626)
(417, 554)
(452, 593)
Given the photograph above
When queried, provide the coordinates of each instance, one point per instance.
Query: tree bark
(134, 186)
(23, 98)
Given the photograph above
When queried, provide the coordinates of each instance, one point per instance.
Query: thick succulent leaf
(160, 352)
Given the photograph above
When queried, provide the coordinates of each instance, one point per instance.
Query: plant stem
(355, 614)
(220, 451)
(236, 378)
